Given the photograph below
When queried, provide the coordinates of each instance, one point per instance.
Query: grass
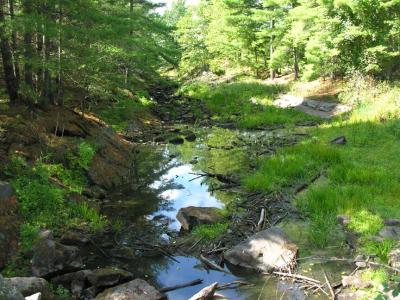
(362, 176)
(209, 232)
(247, 103)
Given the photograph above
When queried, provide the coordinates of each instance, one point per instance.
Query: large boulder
(137, 289)
(31, 285)
(192, 216)
(266, 251)
(52, 258)
(8, 291)
(9, 223)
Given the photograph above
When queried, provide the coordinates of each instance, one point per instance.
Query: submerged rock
(266, 251)
(192, 216)
(137, 289)
(8, 291)
(31, 285)
(356, 281)
(51, 258)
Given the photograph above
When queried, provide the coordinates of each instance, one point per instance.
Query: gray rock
(392, 222)
(51, 258)
(31, 285)
(9, 292)
(107, 277)
(343, 220)
(137, 289)
(266, 251)
(192, 216)
(356, 281)
(390, 232)
(340, 140)
(394, 258)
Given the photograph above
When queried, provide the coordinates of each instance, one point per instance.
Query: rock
(51, 258)
(352, 295)
(343, 220)
(76, 282)
(107, 277)
(356, 281)
(31, 285)
(123, 252)
(265, 251)
(110, 166)
(176, 140)
(9, 292)
(390, 232)
(392, 222)
(137, 289)
(9, 223)
(73, 238)
(191, 216)
(394, 258)
(340, 140)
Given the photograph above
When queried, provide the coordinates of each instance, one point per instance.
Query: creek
(165, 179)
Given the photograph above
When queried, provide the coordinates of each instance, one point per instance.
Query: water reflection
(188, 191)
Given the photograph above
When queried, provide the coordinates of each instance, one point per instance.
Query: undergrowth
(209, 232)
(43, 194)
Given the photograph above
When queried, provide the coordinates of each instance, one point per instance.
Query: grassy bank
(359, 179)
(246, 103)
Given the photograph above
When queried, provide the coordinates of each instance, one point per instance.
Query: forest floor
(300, 175)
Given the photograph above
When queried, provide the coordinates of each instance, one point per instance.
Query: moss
(210, 232)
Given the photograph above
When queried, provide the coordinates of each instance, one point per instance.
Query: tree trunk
(59, 75)
(296, 64)
(271, 50)
(14, 41)
(28, 50)
(6, 54)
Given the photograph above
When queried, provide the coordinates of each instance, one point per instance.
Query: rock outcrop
(8, 291)
(192, 216)
(51, 258)
(266, 251)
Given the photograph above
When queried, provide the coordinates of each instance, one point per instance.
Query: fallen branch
(261, 220)
(297, 276)
(329, 286)
(212, 265)
(181, 286)
(206, 292)
(233, 285)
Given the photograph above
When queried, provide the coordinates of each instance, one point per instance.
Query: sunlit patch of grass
(210, 232)
(289, 166)
(247, 103)
(365, 223)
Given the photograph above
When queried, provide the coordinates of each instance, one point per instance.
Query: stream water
(166, 181)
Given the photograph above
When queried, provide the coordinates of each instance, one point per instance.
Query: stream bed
(166, 179)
